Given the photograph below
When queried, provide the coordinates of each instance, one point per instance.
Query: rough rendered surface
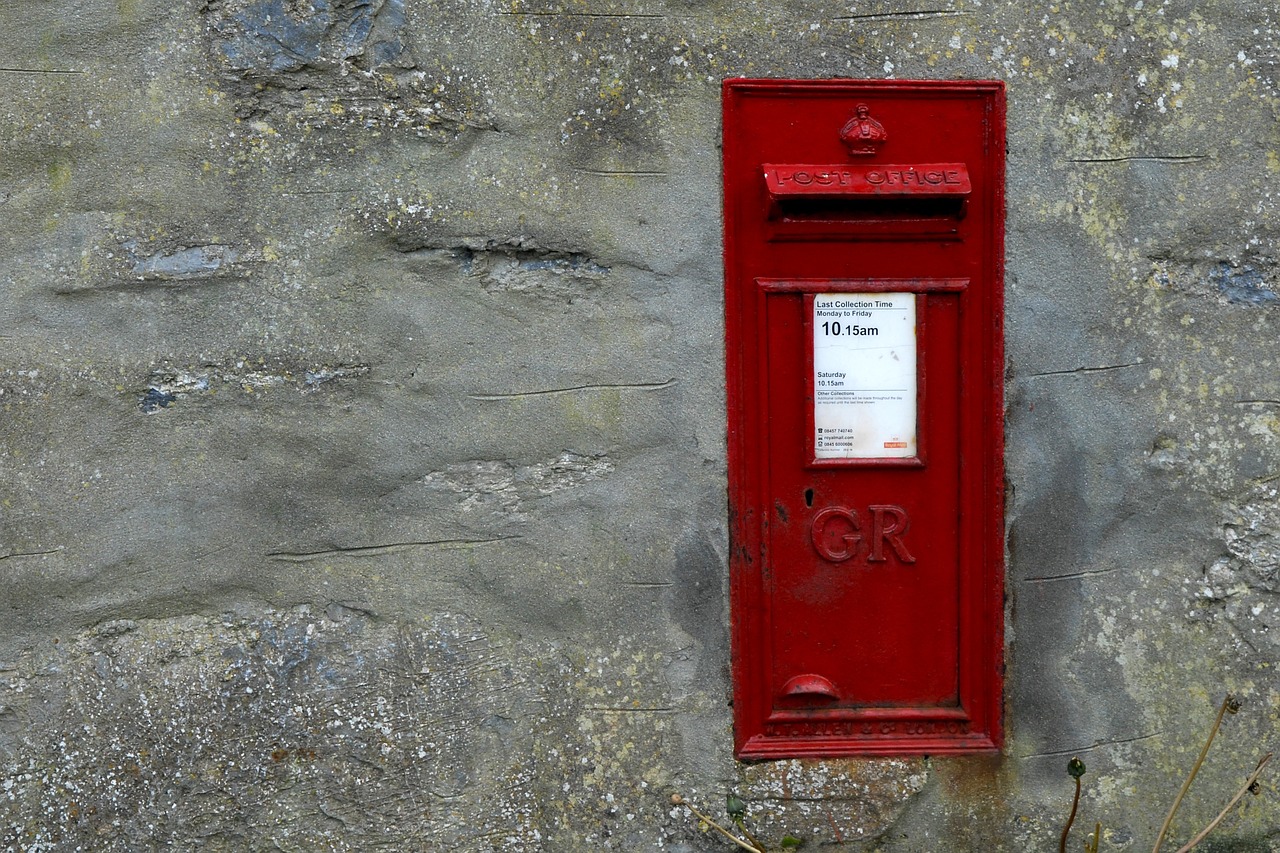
(362, 477)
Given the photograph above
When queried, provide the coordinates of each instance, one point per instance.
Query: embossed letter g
(837, 533)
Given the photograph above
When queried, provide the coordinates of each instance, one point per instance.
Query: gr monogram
(838, 533)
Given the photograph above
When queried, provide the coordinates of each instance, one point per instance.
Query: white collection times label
(864, 375)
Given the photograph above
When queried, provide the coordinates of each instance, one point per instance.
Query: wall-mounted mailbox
(864, 318)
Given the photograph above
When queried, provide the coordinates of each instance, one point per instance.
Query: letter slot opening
(855, 208)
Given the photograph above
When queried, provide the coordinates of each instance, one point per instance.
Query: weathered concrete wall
(363, 436)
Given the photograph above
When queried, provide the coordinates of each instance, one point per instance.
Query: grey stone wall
(363, 434)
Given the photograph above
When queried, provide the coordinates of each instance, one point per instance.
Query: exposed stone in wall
(337, 730)
(331, 730)
(503, 487)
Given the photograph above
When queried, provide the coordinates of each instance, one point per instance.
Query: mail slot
(863, 325)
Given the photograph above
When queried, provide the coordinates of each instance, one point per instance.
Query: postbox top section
(879, 180)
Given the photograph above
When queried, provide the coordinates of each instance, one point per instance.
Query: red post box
(864, 283)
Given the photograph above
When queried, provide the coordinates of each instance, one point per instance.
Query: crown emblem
(862, 134)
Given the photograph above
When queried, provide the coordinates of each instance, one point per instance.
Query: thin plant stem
(1248, 783)
(750, 837)
(1075, 803)
(1217, 723)
(1092, 847)
(681, 801)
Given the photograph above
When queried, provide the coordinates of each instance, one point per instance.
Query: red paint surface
(879, 630)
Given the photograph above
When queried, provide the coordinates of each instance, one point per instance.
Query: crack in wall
(571, 389)
(1083, 370)
(380, 549)
(42, 71)
(1143, 158)
(18, 554)
(905, 15)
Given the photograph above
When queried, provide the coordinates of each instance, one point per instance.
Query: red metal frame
(859, 656)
